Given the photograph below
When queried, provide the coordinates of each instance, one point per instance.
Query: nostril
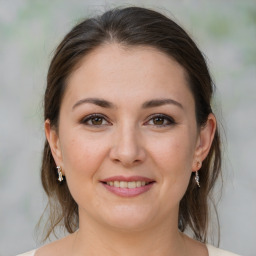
(127, 151)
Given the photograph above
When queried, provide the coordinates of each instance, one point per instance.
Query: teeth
(131, 184)
(125, 184)
(138, 184)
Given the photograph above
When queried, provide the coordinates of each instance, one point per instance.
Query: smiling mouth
(127, 184)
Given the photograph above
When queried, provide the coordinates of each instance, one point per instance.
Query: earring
(60, 179)
(197, 179)
(198, 164)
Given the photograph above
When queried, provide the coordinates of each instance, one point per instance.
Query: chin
(129, 218)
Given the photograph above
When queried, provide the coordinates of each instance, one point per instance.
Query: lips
(128, 186)
(125, 184)
(127, 179)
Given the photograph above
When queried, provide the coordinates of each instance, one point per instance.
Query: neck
(95, 239)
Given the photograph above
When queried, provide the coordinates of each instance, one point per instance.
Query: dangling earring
(197, 179)
(199, 164)
(60, 179)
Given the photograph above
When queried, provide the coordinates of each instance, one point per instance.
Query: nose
(127, 148)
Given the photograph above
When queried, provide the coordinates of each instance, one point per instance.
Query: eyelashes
(160, 120)
(95, 120)
(100, 120)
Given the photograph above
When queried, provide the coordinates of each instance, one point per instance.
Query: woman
(133, 149)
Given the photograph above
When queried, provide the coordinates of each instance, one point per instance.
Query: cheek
(175, 164)
(82, 158)
(174, 153)
(81, 154)
(174, 157)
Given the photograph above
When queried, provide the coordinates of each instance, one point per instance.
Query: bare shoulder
(60, 247)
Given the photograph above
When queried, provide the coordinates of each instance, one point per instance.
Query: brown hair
(132, 26)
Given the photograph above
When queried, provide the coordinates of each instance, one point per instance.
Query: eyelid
(90, 116)
(87, 118)
(166, 117)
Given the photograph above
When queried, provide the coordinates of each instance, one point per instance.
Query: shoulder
(30, 253)
(59, 247)
(213, 251)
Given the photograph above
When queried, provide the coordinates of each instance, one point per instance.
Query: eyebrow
(99, 102)
(107, 104)
(160, 102)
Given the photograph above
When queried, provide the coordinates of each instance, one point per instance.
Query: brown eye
(158, 120)
(95, 120)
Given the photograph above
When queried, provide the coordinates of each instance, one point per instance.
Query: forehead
(116, 71)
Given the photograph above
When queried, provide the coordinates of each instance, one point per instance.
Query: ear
(54, 142)
(204, 142)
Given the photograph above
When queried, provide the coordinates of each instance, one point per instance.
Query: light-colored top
(212, 251)
(30, 253)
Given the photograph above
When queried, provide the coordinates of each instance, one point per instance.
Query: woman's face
(128, 139)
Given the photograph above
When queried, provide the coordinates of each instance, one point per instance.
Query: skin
(129, 140)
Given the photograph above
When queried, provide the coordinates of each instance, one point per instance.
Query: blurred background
(29, 32)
